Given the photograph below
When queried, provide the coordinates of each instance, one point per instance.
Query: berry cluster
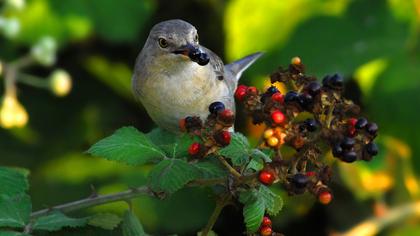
(213, 133)
(301, 123)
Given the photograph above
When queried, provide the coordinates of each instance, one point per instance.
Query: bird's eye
(163, 43)
(196, 38)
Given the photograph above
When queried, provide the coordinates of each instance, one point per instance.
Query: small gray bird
(176, 77)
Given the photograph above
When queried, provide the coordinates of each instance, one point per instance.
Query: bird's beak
(187, 50)
(194, 53)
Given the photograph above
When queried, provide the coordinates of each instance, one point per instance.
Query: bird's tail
(239, 66)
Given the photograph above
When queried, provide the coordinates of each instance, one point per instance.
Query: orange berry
(325, 197)
(266, 231)
(296, 61)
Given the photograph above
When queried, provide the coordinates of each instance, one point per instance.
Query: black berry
(291, 96)
(313, 88)
(305, 100)
(272, 90)
(311, 125)
(348, 143)
(372, 149)
(194, 55)
(300, 180)
(216, 107)
(372, 128)
(361, 123)
(203, 59)
(349, 157)
(337, 150)
(335, 81)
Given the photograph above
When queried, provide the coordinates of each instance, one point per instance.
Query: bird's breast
(170, 94)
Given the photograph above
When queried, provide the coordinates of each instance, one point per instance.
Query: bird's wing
(215, 62)
(219, 69)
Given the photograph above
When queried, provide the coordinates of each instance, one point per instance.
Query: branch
(229, 167)
(95, 200)
(115, 197)
(220, 204)
(374, 225)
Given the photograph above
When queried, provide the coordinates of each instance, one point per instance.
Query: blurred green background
(373, 43)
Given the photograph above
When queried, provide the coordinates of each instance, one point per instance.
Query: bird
(175, 77)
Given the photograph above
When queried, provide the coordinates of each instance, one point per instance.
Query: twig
(220, 204)
(95, 200)
(32, 80)
(374, 225)
(229, 167)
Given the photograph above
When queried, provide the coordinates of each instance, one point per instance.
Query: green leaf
(256, 203)
(56, 221)
(273, 202)
(260, 155)
(238, 150)
(211, 168)
(12, 233)
(106, 221)
(256, 165)
(259, 158)
(171, 175)
(131, 225)
(15, 210)
(253, 211)
(127, 145)
(12, 181)
(175, 146)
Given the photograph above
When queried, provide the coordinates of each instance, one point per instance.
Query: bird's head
(175, 40)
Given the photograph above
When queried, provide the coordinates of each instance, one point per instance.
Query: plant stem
(34, 81)
(220, 204)
(95, 200)
(374, 225)
(229, 167)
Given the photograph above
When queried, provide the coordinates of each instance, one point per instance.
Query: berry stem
(220, 204)
(330, 115)
(235, 173)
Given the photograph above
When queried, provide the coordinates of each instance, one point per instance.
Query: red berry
(278, 97)
(310, 173)
(240, 92)
(226, 114)
(266, 221)
(278, 117)
(223, 138)
(352, 131)
(352, 122)
(266, 177)
(252, 90)
(194, 149)
(325, 197)
(266, 231)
